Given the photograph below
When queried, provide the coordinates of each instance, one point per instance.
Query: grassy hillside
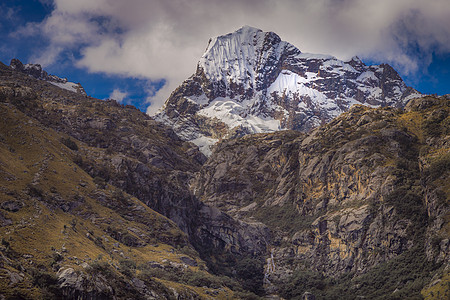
(55, 218)
(70, 226)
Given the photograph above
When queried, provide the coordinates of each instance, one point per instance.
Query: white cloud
(118, 95)
(157, 99)
(160, 39)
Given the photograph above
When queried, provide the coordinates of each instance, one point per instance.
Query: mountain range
(268, 174)
(251, 81)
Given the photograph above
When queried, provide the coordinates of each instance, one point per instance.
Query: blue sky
(139, 50)
(97, 84)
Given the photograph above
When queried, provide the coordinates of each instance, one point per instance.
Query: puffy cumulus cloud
(118, 95)
(160, 39)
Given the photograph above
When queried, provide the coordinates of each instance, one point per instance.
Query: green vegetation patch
(402, 277)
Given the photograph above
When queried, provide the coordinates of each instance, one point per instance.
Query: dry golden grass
(38, 171)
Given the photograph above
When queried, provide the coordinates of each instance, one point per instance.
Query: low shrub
(69, 143)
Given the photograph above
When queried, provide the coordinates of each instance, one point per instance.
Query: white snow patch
(377, 93)
(366, 77)
(70, 86)
(236, 114)
(205, 144)
(337, 66)
(290, 83)
(412, 96)
(200, 100)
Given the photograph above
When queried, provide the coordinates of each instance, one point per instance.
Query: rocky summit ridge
(250, 81)
(36, 71)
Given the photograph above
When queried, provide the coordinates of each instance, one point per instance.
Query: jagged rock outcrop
(251, 81)
(75, 285)
(36, 71)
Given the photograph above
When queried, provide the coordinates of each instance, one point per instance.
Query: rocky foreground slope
(95, 203)
(251, 81)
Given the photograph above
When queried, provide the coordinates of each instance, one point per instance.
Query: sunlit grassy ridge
(55, 217)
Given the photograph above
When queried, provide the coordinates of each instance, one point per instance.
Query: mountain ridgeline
(301, 195)
(95, 203)
(251, 81)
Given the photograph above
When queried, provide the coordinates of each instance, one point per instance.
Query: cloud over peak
(118, 95)
(161, 39)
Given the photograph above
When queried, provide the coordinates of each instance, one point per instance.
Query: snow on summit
(237, 56)
(250, 81)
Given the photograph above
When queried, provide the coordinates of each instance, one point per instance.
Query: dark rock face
(12, 206)
(4, 221)
(308, 296)
(34, 70)
(312, 176)
(344, 198)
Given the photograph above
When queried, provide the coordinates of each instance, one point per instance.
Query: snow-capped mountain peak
(250, 81)
(245, 57)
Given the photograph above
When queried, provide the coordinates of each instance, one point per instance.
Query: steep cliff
(369, 189)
